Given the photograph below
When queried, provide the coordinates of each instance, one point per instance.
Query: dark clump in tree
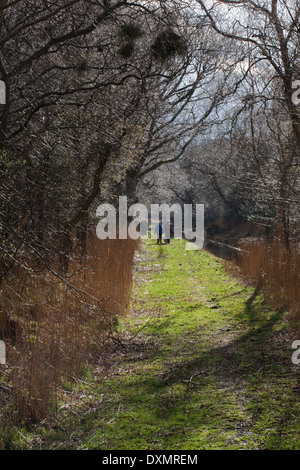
(129, 33)
(168, 44)
(126, 50)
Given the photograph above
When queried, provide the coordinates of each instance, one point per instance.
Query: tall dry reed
(53, 328)
(275, 270)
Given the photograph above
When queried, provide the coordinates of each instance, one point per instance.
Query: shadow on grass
(251, 311)
(239, 358)
(207, 393)
(217, 373)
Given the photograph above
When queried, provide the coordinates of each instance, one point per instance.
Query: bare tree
(82, 81)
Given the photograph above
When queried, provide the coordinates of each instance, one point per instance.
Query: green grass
(210, 367)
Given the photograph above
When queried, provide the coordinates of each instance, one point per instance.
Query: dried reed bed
(275, 270)
(53, 328)
(107, 272)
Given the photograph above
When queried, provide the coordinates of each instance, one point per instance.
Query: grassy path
(210, 367)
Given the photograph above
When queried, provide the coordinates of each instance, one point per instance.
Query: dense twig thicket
(101, 97)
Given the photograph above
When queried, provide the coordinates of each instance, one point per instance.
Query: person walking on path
(168, 231)
(159, 232)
